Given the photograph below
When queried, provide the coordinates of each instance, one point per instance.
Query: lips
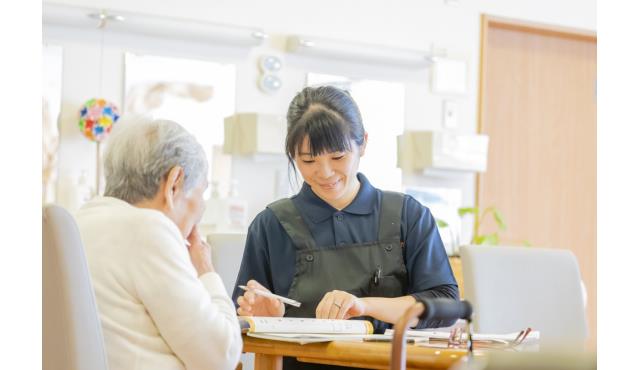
(330, 186)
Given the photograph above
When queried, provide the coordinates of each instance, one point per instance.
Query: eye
(308, 161)
(338, 158)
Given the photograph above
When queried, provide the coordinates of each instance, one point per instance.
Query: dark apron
(375, 269)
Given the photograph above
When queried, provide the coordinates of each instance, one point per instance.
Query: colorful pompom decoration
(97, 117)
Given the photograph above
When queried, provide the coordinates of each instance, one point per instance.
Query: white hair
(141, 152)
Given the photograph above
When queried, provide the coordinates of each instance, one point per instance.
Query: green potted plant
(492, 238)
(484, 239)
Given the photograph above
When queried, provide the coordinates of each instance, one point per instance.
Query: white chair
(226, 253)
(512, 288)
(72, 335)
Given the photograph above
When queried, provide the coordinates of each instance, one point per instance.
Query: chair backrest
(512, 288)
(227, 250)
(72, 335)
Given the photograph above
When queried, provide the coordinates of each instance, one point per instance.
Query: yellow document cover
(304, 330)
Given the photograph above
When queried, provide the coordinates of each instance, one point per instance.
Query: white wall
(414, 24)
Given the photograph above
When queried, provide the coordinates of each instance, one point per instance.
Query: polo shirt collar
(317, 210)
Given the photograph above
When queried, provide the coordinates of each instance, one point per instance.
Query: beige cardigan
(155, 311)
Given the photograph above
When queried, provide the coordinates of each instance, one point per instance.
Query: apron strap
(390, 216)
(292, 222)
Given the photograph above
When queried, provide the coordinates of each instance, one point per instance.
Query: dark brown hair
(328, 116)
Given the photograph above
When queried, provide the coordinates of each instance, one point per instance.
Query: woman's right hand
(200, 253)
(252, 304)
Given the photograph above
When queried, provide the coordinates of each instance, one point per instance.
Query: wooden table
(356, 354)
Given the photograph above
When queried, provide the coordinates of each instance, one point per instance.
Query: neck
(349, 196)
(154, 203)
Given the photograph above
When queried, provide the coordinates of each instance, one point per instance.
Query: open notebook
(305, 330)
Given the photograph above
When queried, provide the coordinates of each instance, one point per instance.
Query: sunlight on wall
(51, 99)
(196, 94)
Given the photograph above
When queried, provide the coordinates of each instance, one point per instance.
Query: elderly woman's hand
(338, 304)
(200, 253)
(251, 304)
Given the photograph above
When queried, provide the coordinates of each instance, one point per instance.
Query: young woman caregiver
(341, 247)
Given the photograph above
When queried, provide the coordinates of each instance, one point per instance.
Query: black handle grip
(445, 309)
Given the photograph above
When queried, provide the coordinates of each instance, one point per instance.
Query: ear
(364, 143)
(173, 186)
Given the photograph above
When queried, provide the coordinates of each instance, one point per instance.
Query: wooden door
(538, 106)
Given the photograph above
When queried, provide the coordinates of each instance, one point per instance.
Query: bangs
(327, 133)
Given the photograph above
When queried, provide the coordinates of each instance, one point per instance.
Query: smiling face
(331, 176)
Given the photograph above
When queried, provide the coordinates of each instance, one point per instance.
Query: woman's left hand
(339, 304)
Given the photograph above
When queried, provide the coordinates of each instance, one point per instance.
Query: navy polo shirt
(270, 255)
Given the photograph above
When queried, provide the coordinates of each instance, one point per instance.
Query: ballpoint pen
(271, 295)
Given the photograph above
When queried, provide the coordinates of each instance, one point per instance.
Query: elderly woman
(161, 304)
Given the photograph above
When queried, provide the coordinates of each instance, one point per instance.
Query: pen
(271, 295)
(390, 339)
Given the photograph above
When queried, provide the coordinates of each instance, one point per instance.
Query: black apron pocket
(385, 286)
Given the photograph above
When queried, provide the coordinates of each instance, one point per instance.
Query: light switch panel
(449, 114)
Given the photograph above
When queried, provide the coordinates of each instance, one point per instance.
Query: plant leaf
(497, 215)
(526, 243)
(492, 239)
(467, 211)
(441, 223)
(489, 209)
(479, 240)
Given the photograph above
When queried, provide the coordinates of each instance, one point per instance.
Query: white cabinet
(254, 133)
(419, 150)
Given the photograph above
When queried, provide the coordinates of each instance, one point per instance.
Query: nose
(325, 169)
